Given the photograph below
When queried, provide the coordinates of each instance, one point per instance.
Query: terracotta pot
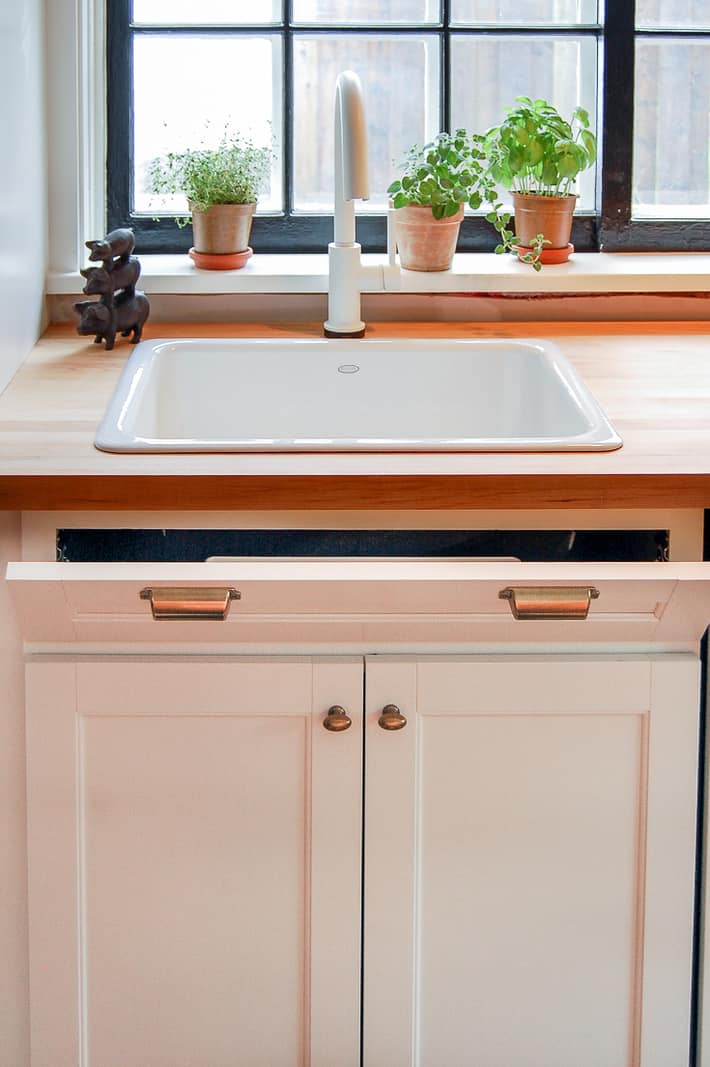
(548, 215)
(222, 229)
(425, 243)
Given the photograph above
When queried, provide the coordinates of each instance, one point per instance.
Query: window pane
(671, 149)
(400, 111)
(673, 14)
(359, 12)
(214, 82)
(206, 13)
(523, 12)
(487, 73)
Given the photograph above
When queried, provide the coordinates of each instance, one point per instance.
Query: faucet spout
(351, 184)
(350, 154)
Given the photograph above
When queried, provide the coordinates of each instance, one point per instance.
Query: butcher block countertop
(652, 379)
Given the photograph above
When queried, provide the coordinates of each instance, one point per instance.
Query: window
(269, 67)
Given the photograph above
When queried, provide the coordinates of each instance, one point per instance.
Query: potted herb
(438, 180)
(221, 186)
(538, 155)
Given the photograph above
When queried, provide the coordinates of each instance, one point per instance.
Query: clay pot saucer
(548, 256)
(220, 260)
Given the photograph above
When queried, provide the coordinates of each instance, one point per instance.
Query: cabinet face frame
(69, 701)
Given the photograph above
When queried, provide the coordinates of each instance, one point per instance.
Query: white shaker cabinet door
(194, 862)
(530, 839)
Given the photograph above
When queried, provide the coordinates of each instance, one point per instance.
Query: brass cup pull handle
(337, 719)
(391, 718)
(190, 602)
(549, 602)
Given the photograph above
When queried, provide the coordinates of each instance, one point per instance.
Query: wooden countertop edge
(346, 492)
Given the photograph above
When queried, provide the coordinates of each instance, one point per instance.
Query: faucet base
(344, 279)
(327, 332)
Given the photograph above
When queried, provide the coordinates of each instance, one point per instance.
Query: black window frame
(610, 227)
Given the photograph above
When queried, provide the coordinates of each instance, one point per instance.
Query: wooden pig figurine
(124, 275)
(117, 243)
(129, 313)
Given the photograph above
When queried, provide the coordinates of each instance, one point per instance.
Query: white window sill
(472, 272)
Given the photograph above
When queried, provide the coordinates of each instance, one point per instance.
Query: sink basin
(266, 395)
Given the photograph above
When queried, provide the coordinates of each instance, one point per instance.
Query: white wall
(23, 181)
(23, 263)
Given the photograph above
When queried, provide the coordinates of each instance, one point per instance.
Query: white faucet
(351, 183)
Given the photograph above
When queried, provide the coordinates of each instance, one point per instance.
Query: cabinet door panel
(525, 910)
(546, 878)
(187, 915)
(192, 796)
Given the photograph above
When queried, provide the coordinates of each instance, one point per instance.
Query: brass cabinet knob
(391, 718)
(337, 719)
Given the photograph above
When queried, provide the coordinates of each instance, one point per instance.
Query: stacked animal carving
(121, 308)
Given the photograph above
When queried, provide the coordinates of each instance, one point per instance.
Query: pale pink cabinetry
(196, 833)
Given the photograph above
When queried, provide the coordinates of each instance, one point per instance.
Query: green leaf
(590, 143)
(401, 200)
(535, 151)
(516, 159)
(568, 166)
(550, 175)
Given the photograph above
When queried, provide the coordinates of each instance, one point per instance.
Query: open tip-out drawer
(364, 604)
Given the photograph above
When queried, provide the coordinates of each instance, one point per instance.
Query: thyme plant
(234, 172)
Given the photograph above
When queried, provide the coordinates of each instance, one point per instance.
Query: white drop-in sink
(272, 395)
